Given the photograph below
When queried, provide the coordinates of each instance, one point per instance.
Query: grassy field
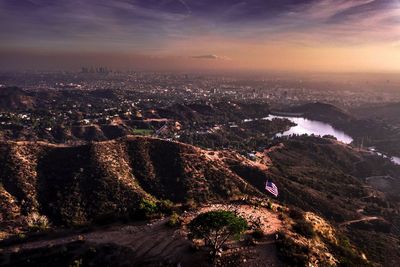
(142, 131)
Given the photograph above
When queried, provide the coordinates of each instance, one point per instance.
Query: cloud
(186, 6)
(212, 57)
(170, 26)
(326, 9)
(325, 22)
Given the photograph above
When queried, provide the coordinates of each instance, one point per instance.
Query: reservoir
(318, 128)
(309, 127)
(396, 160)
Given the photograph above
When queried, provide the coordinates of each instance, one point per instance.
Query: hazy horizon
(187, 35)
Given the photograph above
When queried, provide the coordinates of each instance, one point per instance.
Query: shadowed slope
(75, 185)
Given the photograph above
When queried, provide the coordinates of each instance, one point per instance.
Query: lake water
(318, 128)
(396, 160)
(306, 126)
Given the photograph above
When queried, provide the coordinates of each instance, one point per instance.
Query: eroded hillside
(334, 180)
(74, 185)
(352, 219)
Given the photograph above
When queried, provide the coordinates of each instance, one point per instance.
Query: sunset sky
(282, 35)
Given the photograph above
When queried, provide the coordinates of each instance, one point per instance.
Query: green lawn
(142, 131)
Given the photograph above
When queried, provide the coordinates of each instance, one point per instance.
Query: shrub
(190, 204)
(174, 220)
(296, 214)
(37, 222)
(292, 253)
(346, 255)
(258, 233)
(304, 228)
(21, 236)
(147, 208)
(76, 263)
(165, 206)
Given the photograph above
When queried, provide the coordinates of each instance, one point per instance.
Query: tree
(216, 227)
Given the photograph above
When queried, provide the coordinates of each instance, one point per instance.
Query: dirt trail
(156, 242)
(147, 241)
(367, 218)
(220, 156)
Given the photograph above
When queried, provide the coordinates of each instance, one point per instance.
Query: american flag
(271, 187)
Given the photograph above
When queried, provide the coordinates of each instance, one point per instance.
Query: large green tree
(217, 227)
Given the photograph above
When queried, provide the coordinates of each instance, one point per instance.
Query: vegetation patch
(291, 252)
(304, 228)
(142, 131)
(216, 228)
(174, 220)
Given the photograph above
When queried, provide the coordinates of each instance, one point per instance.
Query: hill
(208, 113)
(74, 185)
(335, 180)
(117, 181)
(322, 112)
(12, 98)
(386, 112)
(370, 126)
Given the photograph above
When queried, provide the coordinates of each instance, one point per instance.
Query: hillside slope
(330, 179)
(108, 181)
(12, 98)
(74, 185)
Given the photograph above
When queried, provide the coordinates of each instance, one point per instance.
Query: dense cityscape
(46, 101)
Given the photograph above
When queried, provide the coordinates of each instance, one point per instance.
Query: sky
(253, 35)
